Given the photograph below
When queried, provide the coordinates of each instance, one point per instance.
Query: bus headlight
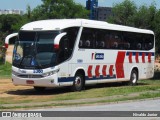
(50, 73)
(15, 73)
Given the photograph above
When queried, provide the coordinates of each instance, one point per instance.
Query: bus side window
(100, 44)
(149, 46)
(148, 42)
(116, 40)
(71, 37)
(63, 51)
(139, 46)
(80, 43)
(107, 41)
(87, 39)
(67, 44)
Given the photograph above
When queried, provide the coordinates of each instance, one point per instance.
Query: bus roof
(58, 24)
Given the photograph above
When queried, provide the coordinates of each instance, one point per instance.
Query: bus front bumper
(50, 81)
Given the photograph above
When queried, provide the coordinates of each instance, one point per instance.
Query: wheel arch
(79, 70)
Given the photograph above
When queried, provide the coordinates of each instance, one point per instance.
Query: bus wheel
(39, 89)
(78, 83)
(133, 78)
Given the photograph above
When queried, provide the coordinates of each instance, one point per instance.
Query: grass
(16, 95)
(59, 94)
(139, 97)
(104, 92)
(5, 70)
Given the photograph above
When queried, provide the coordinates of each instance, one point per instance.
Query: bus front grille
(30, 76)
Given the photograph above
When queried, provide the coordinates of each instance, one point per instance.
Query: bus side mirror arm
(8, 38)
(58, 39)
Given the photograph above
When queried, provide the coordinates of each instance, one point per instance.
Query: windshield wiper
(35, 52)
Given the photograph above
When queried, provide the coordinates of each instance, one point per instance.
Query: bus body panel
(99, 65)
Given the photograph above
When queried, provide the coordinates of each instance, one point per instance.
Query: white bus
(77, 52)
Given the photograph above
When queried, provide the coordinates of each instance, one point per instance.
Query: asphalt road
(145, 107)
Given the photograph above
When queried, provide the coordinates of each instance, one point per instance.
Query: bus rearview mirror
(58, 39)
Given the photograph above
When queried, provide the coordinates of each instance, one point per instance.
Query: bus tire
(39, 89)
(133, 78)
(78, 83)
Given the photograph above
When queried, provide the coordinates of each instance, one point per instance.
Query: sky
(21, 4)
(109, 3)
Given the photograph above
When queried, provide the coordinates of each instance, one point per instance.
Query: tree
(28, 11)
(157, 28)
(123, 13)
(58, 9)
(145, 16)
(7, 21)
(23, 20)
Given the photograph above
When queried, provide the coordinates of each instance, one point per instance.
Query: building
(103, 13)
(96, 12)
(5, 12)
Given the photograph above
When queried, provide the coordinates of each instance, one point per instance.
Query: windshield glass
(35, 50)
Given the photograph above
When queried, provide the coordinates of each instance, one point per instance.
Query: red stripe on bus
(104, 70)
(111, 70)
(97, 71)
(137, 59)
(119, 64)
(89, 71)
(149, 57)
(143, 57)
(92, 56)
(130, 57)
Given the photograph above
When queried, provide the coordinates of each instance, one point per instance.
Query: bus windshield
(35, 50)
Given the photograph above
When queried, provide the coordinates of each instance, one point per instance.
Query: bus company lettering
(98, 56)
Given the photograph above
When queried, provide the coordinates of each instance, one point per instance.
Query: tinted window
(139, 41)
(101, 39)
(110, 39)
(87, 38)
(67, 44)
(115, 40)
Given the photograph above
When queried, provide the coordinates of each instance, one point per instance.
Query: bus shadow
(62, 90)
(108, 85)
(48, 91)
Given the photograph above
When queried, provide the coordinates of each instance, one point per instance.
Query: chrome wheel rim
(78, 81)
(134, 78)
